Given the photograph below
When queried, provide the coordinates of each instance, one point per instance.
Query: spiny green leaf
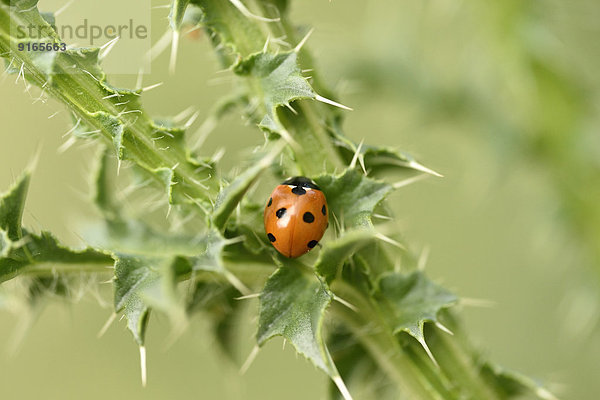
(212, 259)
(335, 253)
(142, 283)
(371, 262)
(511, 384)
(278, 75)
(76, 78)
(278, 80)
(292, 305)
(412, 299)
(376, 159)
(21, 4)
(167, 177)
(12, 204)
(20, 249)
(132, 275)
(121, 234)
(352, 197)
(44, 249)
(231, 195)
(114, 127)
(102, 195)
(136, 237)
(249, 224)
(272, 79)
(359, 273)
(230, 29)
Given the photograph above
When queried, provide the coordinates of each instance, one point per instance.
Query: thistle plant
(360, 308)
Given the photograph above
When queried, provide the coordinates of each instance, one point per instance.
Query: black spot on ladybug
(271, 202)
(272, 238)
(298, 190)
(312, 244)
(281, 212)
(308, 217)
(323, 210)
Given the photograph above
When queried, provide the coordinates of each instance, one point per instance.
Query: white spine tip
(107, 47)
(108, 323)
(192, 119)
(66, 145)
(443, 328)
(428, 351)
(331, 102)
(248, 14)
(484, 303)
(423, 259)
(236, 283)
(289, 106)
(389, 240)
(174, 48)
(303, 41)
(356, 157)
(63, 8)
(249, 296)
(143, 369)
(545, 394)
(422, 168)
(249, 360)
(342, 387)
(147, 88)
(409, 181)
(345, 303)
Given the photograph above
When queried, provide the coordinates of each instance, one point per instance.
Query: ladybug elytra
(296, 216)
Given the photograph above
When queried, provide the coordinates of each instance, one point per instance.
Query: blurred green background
(500, 97)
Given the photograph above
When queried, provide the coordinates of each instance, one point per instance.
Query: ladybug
(296, 216)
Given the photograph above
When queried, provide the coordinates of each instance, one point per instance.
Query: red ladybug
(296, 216)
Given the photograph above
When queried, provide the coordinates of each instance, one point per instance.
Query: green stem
(87, 97)
(456, 361)
(316, 153)
(44, 269)
(372, 331)
(457, 376)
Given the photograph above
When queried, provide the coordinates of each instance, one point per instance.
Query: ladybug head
(301, 181)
